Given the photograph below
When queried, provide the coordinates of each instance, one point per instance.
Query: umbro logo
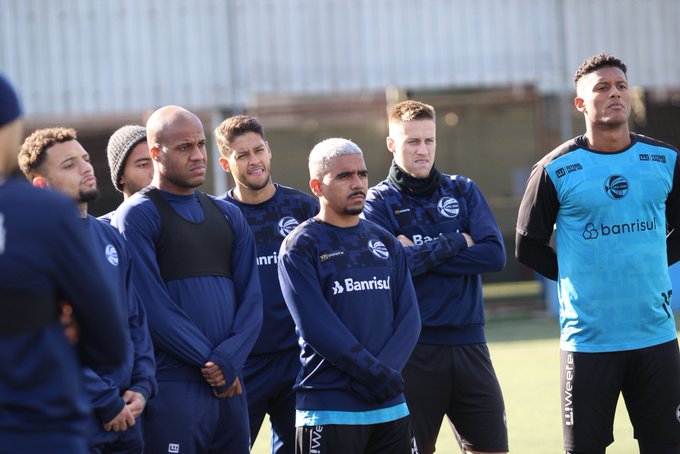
(398, 212)
(330, 255)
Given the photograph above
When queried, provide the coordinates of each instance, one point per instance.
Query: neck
(82, 209)
(254, 196)
(167, 186)
(607, 139)
(337, 220)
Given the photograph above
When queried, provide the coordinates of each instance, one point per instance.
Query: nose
(86, 167)
(197, 154)
(357, 181)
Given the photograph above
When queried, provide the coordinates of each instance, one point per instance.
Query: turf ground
(525, 352)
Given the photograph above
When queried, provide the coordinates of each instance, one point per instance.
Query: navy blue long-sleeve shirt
(138, 370)
(271, 221)
(446, 273)
(196, 319)
(45, 250)
(350, 293)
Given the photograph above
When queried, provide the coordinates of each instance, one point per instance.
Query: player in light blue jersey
(610, 196)
(347, 284)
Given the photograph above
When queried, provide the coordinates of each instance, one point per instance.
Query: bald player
(197, 276)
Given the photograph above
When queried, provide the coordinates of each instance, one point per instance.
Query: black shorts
(393, 437)
(648, 378)
(459, 382)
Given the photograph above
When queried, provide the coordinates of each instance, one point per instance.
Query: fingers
(405, 241)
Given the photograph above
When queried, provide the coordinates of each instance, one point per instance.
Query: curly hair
(32, 153)
(596, 62)
(234, 127)
(411, 110)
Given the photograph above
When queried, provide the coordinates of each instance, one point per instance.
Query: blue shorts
(269, 380)
(185, 417)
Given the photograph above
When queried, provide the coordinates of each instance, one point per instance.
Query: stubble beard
(88, 196)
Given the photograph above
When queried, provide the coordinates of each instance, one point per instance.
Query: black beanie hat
(10, 109)
(121, 143)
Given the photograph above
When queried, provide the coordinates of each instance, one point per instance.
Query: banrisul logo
(356, 285)
(286, 225)
(111, 254)
(378, 249)
(448, 207)
(593, 232)
(616, 186)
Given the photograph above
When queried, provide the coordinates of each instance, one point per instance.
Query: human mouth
(357, 195)
(90, 179)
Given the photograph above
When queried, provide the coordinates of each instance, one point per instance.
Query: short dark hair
(233, 127)
(411, 110)
(596, 62)
(32, 153)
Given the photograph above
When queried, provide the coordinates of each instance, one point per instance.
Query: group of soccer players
(354, 318)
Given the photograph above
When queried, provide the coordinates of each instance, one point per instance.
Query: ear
(153, 151)
(390, 144)
(224, 164)
(39, 182)
(315, 186)
(580, 104)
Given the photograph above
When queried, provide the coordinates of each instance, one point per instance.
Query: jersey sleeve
(320, 327)
(232, 352)
(83, 285)
(172, 330)
(399, 347)
(487, 254)
(143, 378)
(421, 258)
(535, 222)
(104, 395)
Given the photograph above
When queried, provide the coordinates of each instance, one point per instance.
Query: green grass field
(525, 352)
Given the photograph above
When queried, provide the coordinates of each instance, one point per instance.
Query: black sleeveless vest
(24, 312)
(191, 249)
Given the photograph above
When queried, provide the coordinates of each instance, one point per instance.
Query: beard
(354, 211)
(182, 182)
(88, 196)
(255, 187)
